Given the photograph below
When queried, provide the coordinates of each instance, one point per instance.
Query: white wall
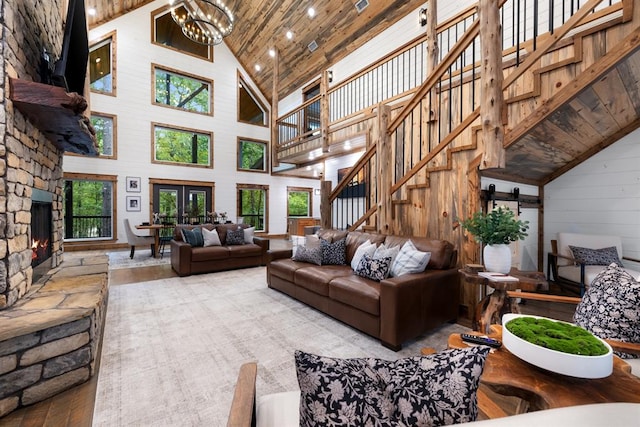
(600, 196)
(135, 113)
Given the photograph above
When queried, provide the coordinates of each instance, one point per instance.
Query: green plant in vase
(496, 229)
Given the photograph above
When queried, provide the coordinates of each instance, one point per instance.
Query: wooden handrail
(352, 173)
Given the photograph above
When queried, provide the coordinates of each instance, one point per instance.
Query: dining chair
(136, 240)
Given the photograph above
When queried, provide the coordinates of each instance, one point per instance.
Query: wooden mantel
(57, 114)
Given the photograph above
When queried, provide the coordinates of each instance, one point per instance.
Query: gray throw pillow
(434, 390)
(588, 256)
(311, 255)
(235, 237)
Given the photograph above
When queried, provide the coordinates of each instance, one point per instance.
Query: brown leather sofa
(394, 310)
(187, 260)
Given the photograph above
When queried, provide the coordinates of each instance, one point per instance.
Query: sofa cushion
(376, 269)
(588, 256)
(611, 306)
(333, 253)
(409, 260)
(331, 235)
(210, 237)
(356, 291)
(285, 268)
(193, 237)
(439, 389)
(244, 250)
(312, 255)
(366, 248)
(317, 278)
(235, 237)
(209, 253)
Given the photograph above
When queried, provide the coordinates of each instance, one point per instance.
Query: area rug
(141, 258)
(172, 348)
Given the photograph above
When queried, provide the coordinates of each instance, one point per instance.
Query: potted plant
(496, 229)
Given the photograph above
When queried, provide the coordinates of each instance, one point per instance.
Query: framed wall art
(133, 184)
(133, 204)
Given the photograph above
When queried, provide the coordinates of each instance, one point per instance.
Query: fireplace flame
(38, 248)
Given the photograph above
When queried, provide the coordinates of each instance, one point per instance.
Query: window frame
(155, 67)
(265, 188)
(162, 11)
(113, 179)
(95, 44)
(265, 145)
(114, 133)
(309, 192)
(155, 125)
(242, 83)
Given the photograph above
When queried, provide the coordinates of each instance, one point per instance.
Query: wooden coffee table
(508, 375)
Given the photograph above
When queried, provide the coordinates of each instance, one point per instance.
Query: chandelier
(203, 21)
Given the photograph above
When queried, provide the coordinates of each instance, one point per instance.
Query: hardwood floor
(74, 407)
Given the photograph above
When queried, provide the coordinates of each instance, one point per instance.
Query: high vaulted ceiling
(260, 25)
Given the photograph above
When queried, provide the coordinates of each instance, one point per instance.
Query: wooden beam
(491, 94)
(274, 110)
(324, 110)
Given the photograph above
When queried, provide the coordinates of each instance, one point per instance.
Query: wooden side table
(491, 307)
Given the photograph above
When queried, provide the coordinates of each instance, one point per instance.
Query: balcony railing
(89, 227)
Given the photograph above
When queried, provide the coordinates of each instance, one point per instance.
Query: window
(105, 127)
(252, 155)
(252, 205)
(101, 65)
(168, 34)
(299, 201)
(182, 91)
(250, 109)
(88, 207)
(312, 111)
(178, 202)
(182, 146)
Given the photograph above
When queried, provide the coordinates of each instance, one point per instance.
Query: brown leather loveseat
(394, 310)
(187, 260)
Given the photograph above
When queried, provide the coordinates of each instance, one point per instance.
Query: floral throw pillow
(334, 253)
(588, 256)
(434, 390)
(374, 268)
(235, 237)
(311, 255)
(611, 306)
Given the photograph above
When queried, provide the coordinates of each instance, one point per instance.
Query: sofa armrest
(264, 248)
(274, 254)
(181, 257)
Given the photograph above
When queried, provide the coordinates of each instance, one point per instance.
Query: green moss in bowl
(559, 336)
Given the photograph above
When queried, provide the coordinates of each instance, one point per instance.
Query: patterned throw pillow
(334, 253)
(588, 256)
(439, 389)
(235, 237)
(409, 260)
(374, 268)
(311, 255)
(193, 237)
(611, 306)
(211, 238)
(367, 248)
(383, 251)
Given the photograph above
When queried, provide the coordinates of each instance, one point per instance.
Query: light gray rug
(172, 348)
(141, 258)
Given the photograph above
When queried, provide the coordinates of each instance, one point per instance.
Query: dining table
(156, 234)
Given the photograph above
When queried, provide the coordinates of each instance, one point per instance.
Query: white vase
(497, 258)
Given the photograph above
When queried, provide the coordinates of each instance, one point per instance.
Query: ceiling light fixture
(92, 11)
(258, 67)
(289, 35)
(311, 12)
(203, 21)
(272, 53)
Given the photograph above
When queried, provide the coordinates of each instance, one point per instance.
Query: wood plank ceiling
(260, 25)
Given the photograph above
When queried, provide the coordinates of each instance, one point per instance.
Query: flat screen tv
(70, 70)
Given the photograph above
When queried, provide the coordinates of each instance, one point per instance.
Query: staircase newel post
(384, 172)
(325, 205)
(491, 96)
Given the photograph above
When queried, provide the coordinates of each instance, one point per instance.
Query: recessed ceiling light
(92, 11)
(272, 53)
(311, 12)
(289, 35)
(258, 67)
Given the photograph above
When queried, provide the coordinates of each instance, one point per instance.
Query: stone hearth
(49, 339)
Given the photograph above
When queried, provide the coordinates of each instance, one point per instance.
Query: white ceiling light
(289, 35)
(258, 67)
(272, 53)
(311, 12)
(92, 11)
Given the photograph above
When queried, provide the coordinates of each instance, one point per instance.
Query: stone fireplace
(41, 232)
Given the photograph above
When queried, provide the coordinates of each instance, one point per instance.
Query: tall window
(250, 109)
(252, 205)
(299, 201)
(101, 65)
(179, 90)
(182, 146)
(105, 127)
(168, 34)
(88, 207)
(179, 203)
(252, 155)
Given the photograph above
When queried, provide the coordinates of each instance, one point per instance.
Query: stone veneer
(27, 159)
(49, 340)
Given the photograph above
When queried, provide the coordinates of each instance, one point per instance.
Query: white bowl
(556, 361)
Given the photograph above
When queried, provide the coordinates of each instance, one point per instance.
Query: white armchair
(135, 240)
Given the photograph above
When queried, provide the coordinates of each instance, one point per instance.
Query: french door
(182, 204)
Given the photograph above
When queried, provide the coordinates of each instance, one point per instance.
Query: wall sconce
(422, 17)
(516, 193)
(330, 76)
(492, 194)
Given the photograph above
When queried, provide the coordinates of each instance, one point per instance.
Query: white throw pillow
(312, 241)
(211, 238)
(248, 234)
(409, 260)
(366, 248)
